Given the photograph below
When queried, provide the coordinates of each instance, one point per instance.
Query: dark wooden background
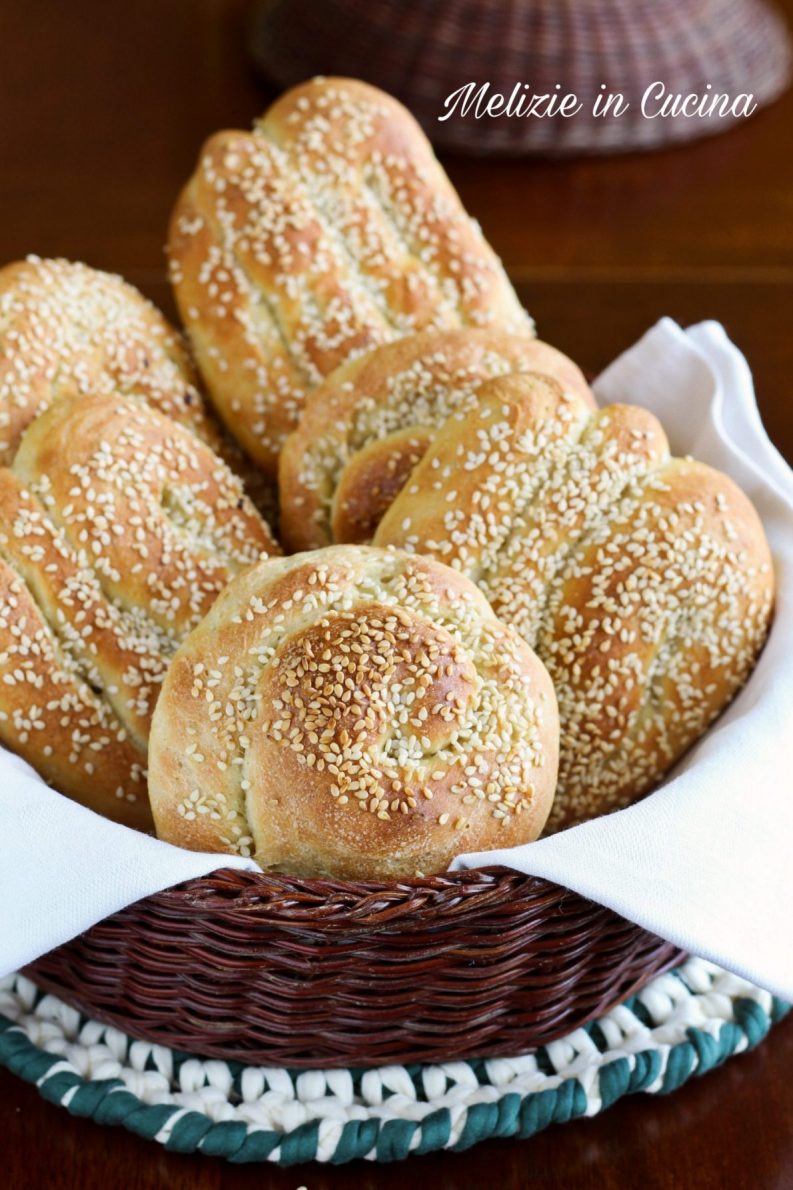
(102, 110)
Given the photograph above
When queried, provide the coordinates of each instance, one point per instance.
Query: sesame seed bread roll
(67, 329)
(644, 583)
(327, 230)
(366, 427)
(118, 529)
(353, 712)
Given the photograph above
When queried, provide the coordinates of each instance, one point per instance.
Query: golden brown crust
(118, 528)
(348, 458)
(67, 329)
(658, 643)
(645, 583)
(327, 230)
(368, 488)
(353, 712)
(52, 717)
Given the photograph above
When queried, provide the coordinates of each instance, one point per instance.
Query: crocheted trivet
(683, 1023)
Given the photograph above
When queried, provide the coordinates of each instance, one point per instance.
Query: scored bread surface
(327, 230)
(67, 329)
(118, 529)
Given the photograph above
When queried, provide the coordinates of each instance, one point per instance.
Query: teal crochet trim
(393, 1114)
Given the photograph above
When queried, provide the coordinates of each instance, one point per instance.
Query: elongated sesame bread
(327, 230)
(644, 582)
(353, 712)
(366, 427)
(118, 529)
(67, 329)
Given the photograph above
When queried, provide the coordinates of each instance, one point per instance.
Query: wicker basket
(278, 970)
(422, 52)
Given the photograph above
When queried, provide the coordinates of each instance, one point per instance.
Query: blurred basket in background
(423, 51)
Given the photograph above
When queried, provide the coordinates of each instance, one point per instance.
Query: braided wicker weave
(279, 970)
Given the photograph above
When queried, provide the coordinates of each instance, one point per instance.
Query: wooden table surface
(103, 110)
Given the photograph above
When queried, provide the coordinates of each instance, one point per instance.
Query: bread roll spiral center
(353, 712)
(376, 679)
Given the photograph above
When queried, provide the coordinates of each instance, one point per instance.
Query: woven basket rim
(325, 901)
(483, 876)
(305, 971)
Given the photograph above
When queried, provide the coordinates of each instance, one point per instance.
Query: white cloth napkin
(706, 861)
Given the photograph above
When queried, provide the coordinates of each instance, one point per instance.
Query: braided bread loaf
(366, 427)
(118, 528)
(329, 229)
(644, 582)
(353, 712)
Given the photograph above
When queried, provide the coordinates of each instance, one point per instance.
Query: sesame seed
(389, 242)
(619, 565)
(349, 704)
(87, 635)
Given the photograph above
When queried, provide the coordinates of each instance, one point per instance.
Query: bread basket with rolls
(496, 610)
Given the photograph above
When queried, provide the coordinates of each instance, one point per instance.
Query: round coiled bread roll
(644, 582)
(363, 430)
(353, 712)
(118, 529)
